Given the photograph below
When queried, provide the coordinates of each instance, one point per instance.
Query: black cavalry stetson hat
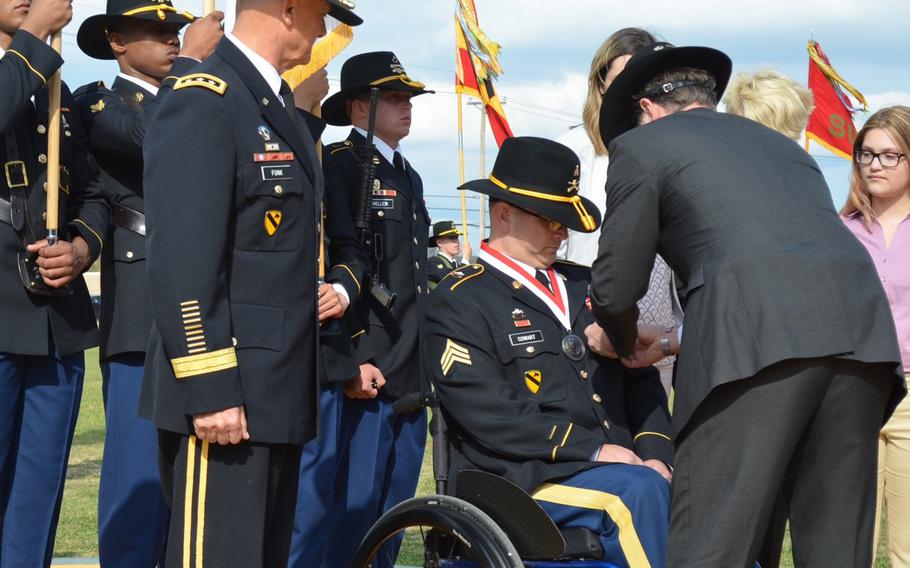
(443, 229)
(359, 73)
(541, 177)
(617, 109)
(343, 11)
(92, 34)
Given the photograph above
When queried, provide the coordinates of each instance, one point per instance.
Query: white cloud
(888, 98)
(531, 22)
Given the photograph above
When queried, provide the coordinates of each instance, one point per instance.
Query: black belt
(6, 214)
(129, 219)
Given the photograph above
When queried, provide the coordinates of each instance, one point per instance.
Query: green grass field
(77, 534)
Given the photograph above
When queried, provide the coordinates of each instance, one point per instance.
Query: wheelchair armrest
(527, 525)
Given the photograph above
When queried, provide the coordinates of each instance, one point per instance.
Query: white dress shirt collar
(385, 150)
(268, 72)
(137, 81)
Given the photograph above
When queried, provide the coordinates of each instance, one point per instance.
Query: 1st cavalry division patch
(454, 353)
(271, 221)
(533, 380)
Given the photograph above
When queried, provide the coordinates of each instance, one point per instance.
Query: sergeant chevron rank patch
(532, 380)
(454, 353)
(271, 221)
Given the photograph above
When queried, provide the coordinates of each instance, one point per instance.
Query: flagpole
(208, 6)
(483, 171)
(464, 202)
(53, 148)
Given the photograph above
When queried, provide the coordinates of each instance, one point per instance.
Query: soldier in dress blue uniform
(47, 315)
(142, 37)
(320, 459)
(383, 450)
(523, 395)
(445, 240)
(233, 193)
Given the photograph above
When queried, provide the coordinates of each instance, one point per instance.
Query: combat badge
(519, 318)
(272, 221)
(264, 132)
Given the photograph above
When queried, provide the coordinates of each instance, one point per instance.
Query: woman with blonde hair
(878, 213)
(771, 98)
(659, 307)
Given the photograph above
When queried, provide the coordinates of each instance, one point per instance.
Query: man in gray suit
(788, 362)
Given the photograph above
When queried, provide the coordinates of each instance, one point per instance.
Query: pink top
(893, 267)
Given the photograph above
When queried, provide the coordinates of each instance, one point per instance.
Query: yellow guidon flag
(452, 354)
(334, 41)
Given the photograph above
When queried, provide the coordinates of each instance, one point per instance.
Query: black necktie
(542, 278)
(398, 161)
(287, 95)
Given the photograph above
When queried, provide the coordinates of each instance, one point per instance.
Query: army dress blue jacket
(32, 322)
(116, 121)
(516, 404)
(400, 224)
(232, 194)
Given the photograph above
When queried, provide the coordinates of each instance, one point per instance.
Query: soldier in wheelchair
(523, 397)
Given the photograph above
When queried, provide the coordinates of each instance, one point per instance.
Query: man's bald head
(282, 31)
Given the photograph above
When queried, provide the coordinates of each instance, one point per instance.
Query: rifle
(364, 212)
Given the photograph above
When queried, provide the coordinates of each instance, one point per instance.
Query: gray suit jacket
(745, 219)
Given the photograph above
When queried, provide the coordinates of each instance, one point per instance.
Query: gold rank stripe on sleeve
(203, 80)
(27, 62)
(452, 354)
(565, 438)
(203, 363)
(658, 434)
(354, 278)
(192, 326)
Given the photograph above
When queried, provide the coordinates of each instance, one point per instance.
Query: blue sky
(547, 48)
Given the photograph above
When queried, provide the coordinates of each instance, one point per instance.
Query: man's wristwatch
(665, 342)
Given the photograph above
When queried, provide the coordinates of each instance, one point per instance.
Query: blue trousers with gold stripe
(627, 505)
(39, 404)
(132, 512)
(316, 491)
(381, 467)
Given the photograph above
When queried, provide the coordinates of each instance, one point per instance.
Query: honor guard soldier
(384, 449)
(47, 315)
(523, 395)
(348, 269)
(445, 239)
(142, 37)
(233, 191)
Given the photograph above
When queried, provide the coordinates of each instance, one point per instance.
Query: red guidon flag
(476, 65)
(831, 123)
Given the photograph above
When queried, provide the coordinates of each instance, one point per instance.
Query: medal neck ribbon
(555, 301)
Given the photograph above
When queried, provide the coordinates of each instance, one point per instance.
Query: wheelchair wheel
(445, 528)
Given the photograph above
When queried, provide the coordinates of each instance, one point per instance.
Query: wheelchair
(488, 523)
